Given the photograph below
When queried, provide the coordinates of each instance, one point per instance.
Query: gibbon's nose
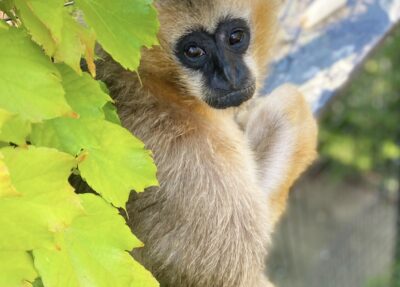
(233, 77)
(229, 76)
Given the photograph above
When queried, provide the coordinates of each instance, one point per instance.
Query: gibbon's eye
(194, 52)
(236, 37)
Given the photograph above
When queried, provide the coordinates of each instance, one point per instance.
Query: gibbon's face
(215, 50)
(217, 59)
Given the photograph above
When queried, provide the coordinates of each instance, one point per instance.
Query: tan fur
(222, 189)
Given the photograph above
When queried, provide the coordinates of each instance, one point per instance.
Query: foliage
(360, 131)
(56, 120)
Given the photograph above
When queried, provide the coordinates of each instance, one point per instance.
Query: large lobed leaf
(42, 203)
(122, 27)
(112, 161)
(52, 26)
(34, 20)
(74, 245)
(93, 252)
(70, 48)
(50, 13)
(29, 82)
(83, 93)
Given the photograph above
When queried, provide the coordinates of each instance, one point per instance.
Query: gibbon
(225, 162)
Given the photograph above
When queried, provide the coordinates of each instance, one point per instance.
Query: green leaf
(53, 28)
(50, 13)
(38, 283)
(76, 41)
(37, 29)
(45, 202)
(122, 27)
(70, 49)
(13, 128)
(16, 269)
(29, 85)
(110, 111)
(113, 162)
(44, 21)
(3, 25)
(93, 252)
(83, 93)
(6, 186)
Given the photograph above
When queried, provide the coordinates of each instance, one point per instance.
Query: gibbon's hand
(282, 132)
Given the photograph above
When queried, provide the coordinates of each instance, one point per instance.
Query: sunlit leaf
(110, 112)
(16, 269)
(29, 82)
(93, 252)
(46, 100)
(122, 27)
(45, 202)
(13, 128)
(37, 29)
(70, 48)
(83, 93)
(113, 162)
(6, 187)
(50, 13)
(3, 26)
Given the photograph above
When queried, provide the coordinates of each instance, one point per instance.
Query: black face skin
(220, 58)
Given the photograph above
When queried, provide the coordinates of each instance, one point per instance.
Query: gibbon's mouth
(223, 100)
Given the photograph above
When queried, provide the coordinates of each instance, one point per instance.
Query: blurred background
(342, 228)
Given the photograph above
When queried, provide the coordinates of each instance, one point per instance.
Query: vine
(56, 120)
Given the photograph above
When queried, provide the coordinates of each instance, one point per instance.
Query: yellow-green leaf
(113, 161)
(37, 29)
(3, 25)
(122, 27)
(45, 202)
(13, 128)
(16, 269)
(50, 13)
(83, 93)
(6, 187)
(29, 83)
(70, 49)
(93, 251)
(110, 112)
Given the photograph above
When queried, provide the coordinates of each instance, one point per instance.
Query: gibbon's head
(215, 50)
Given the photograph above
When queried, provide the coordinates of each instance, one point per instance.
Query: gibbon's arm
(282, 132)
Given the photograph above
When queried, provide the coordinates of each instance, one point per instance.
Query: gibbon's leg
(282, 132)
